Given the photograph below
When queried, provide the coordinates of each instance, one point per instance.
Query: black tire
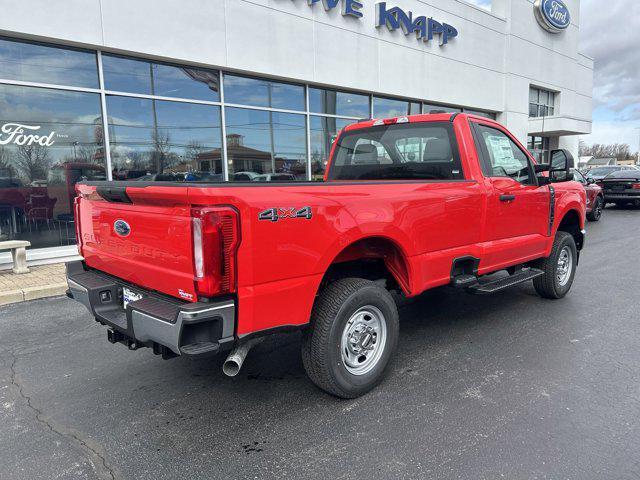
(321, 342)
(596, 210)
(548, 285)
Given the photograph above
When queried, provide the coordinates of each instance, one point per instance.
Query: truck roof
(425, 117)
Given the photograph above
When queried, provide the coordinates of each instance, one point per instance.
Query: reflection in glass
(49, 139)
(155, 140)
(261, 144)
(338, 103)
(389, 107)
(32, 62)
(323, 134)
(263, 93)
(434, 108)
(139, 76)
(480, 113)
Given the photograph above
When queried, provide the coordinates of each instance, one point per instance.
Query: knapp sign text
(393, 18)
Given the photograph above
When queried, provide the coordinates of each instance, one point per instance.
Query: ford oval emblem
(552, 15)
(122, 228)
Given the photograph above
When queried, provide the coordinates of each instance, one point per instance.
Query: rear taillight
(216, 237)
(636, 186)
(76, 214)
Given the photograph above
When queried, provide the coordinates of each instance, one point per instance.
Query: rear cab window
(415, 151)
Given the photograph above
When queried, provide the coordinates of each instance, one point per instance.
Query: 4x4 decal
(275, 214)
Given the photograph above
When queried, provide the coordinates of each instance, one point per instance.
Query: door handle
(507, 198)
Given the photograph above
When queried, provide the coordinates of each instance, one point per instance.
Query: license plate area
(129, 296)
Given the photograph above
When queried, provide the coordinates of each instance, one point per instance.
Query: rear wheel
(559, 268)
(351, 338)
(596, 211)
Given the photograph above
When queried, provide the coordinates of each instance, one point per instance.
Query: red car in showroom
(595, 196)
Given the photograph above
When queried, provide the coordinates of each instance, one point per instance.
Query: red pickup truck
(407, 204)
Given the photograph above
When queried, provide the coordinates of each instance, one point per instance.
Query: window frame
(549, 105)
(455, 151)
(304, 86)
(485, 159)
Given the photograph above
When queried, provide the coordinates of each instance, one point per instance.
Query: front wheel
(596, 212)
(351, 338)
(559, 268)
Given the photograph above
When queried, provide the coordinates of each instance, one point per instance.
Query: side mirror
(543, 180)
(561, 165)
(590, 181)
(541, 167)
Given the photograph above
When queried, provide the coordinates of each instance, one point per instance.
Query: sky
(610, 34)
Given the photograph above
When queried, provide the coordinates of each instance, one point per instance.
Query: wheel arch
(375, 257)
(573, 223)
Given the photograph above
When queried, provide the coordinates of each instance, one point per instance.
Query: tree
(192, 150)
(6, 168)
(619, 151)
(33, 161)
(161, 150)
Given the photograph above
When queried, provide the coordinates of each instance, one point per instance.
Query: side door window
(503, 157)
(578, 177)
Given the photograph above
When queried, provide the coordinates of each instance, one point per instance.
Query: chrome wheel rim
(363, 340)
(564, 267)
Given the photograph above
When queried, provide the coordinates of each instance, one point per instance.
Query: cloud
(610, 33)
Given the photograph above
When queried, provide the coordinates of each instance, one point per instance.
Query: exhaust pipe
(234, 361)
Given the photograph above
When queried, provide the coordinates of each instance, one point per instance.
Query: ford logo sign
(552, 15)
(122, 228)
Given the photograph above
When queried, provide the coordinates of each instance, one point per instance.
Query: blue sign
(425, 29)
(552, 15)
(349, 7)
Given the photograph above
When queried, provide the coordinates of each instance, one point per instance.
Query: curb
(32, 293)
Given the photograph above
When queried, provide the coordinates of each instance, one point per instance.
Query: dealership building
(256, 90)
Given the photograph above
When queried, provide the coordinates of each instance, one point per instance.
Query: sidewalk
(42, 281)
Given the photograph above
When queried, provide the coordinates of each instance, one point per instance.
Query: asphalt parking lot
(508, 386)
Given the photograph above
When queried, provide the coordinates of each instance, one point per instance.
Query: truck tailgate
(146, 241)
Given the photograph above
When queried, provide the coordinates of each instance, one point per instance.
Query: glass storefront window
(434, 108)
(138, 76)
(263, 93)
(323, 134)
(389, 107)
(480, 113)
(49, 139)
(156, 140)
(333, 102)
(266, 146)
(32, 62)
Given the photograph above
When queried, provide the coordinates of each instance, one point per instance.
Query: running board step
(506, 282)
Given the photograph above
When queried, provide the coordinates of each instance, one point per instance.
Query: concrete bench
(19, 254)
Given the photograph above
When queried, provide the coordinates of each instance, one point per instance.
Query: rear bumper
(167, 325)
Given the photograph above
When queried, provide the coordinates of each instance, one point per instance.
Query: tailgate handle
(507, 198)
(114, 194)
